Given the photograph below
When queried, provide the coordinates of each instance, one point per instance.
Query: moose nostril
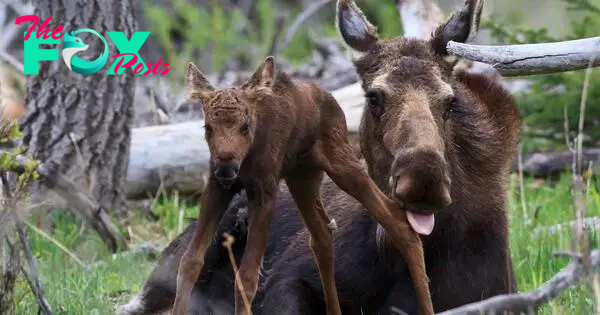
(403, 185)
(446, 197)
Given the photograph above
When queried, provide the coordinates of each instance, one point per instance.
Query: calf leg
(215, 201)
(345, 170)
(305, 189)
(260, 210)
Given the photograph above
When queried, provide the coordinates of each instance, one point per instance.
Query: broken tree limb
(589, 223)
(419, 17)
(78, 200)
(532, 300)
(555, 163)
(529, 59)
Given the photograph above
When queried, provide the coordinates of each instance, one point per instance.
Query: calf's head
(230, 116)
(411, 106)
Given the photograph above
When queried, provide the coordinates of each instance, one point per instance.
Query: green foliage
(225, 33)
(9, 132)
(542, 108)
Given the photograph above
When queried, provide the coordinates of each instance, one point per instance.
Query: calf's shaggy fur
(271, 129)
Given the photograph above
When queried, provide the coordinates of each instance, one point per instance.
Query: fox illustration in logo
(73, 45)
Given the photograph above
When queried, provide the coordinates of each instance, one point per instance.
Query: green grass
(71, 289)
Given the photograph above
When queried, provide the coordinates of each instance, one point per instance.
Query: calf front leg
(305, 189)
(261, 209)
(345, 170)
(214, 203)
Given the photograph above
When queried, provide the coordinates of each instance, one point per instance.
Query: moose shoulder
(429, 135)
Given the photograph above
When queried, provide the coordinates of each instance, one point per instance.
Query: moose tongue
(421, 223)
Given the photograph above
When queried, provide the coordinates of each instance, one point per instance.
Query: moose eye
(450, 108)
(208, 130)
(372, 98)
(245, 129)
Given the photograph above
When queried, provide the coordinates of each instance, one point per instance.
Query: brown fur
(467, 255)
(271, 129)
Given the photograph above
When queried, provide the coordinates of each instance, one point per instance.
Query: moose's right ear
(197, 86)
(358, 33)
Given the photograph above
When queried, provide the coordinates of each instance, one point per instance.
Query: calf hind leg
(305, 189)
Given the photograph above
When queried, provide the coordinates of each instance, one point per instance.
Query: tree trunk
(80, 125)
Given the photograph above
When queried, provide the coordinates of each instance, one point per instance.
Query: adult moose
(425, 129)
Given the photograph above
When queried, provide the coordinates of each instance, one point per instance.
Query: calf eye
(450, 108)
(245, 129)
(208, 130)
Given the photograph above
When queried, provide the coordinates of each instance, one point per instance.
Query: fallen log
(175, 157)
(554, 163)
(530, 301)
(167, 157)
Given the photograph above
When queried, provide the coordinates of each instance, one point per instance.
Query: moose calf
(272, 128)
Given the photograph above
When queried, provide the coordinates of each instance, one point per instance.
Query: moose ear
(461, 27)
(197, 86)
(358, 33)
(264, 77)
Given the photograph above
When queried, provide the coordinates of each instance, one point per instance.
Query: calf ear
(197, 86)
(358, 33)
(461, 27)
(264, 77)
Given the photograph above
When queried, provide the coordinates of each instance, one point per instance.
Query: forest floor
(73, 289)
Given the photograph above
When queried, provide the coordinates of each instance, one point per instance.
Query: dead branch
(554, 163)
(10, 270)
(529, 59)
(30, 272)
(273, 49)
(532, 300)
(588, 223)
(80, 201)
(300, 19)
(419, 17)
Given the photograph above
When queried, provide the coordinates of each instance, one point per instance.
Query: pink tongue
(422, 224)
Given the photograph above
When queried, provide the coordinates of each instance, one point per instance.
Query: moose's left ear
(263, 77)
(356, 31)
(196, 85)
(461, 27)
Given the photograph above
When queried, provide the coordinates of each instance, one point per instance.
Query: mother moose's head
(410, 106)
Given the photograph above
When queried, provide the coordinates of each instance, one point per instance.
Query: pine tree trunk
(80, 125)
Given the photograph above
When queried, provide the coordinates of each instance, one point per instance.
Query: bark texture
(80, 125)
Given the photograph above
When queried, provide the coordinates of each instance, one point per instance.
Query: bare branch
(78, 199)
(299, 20)
(588, 223)
(532, 300)
(273, 49)
(419, 17)
(31, 273)
(529, 59)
